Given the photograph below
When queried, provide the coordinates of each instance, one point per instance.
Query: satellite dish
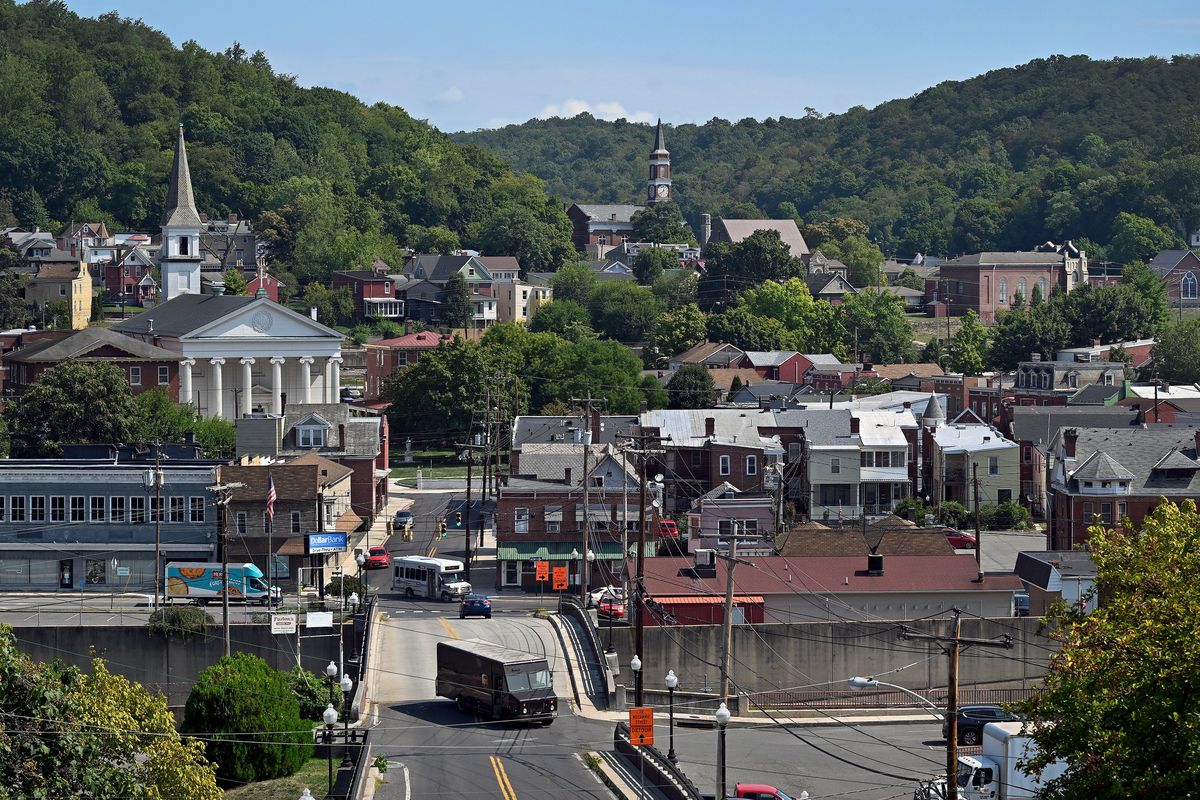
(658, 478)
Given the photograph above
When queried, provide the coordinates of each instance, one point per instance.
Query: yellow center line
(449, 630)
(506, 787)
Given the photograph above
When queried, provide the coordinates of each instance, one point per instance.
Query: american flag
(270, 499)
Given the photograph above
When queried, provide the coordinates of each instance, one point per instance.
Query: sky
(469, 64)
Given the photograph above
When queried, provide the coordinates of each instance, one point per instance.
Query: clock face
(663, 190)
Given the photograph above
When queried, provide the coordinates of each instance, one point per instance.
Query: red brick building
(1180, 271)
(374, 294)
(145, 366)
(989, 282)
(388, 355)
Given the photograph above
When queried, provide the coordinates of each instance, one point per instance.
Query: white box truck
(202, 582)
(994, 774)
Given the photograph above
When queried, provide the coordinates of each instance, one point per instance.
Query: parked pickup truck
(762, 791)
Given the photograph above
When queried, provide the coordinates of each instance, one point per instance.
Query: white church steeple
(179, 258)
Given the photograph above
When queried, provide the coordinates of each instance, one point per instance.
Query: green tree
(434, 398)
(564, 317)
(1115, 703)
(1136, 238)
(1150, 290)
(650, 262)
(217, 437)
(861, 255)
(834, 229)
(538, 244)
(158, 418)
(235, 282)
(623, 310)
(1174, 354)
(814, 325)
(691, 387)
(76, 402)
(740, 328)
(878, 323)
(334, 307)
(250, 718)
(674, 331)
(93, 735)
(909, 279)
(434, 239)
(662, 223)
(969, 346)
(456, 302)
(677, 289)
(14, 311)
(652, 392)
(760, 257)
(574, 281)
(1025, 331)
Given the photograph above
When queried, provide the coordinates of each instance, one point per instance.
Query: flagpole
(270, 536)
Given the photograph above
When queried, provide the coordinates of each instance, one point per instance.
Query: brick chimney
(1070, 437)
(567, 476)
(1196, 439)
(710, 426)
(596, 426)
(854, 424)
(341, 437)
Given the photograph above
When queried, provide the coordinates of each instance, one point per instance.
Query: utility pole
(224, 493)
(955, 643)
(731, 560)
(978, 534)
(643, 440)
(585, 572)
(158, 515)
(468, 455)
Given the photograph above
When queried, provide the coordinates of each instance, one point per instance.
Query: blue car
(475, 605)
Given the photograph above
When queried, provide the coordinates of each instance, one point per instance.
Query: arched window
(1187, 287)
(1042, 288)
(1003, 291)
(1021, 289)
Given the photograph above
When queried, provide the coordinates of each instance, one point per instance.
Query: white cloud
(451, 95)
(607, 110)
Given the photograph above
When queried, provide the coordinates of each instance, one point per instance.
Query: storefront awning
(561, 551)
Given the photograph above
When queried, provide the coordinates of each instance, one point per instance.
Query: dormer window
(310, 436)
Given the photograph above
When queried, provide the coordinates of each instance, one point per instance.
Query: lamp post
(722, 716)
(346, 685)
(330, 719)
(354, 600)
(859, 682)
(587, 579)
(635, 664)
(331, 672)
(578, 572)
(362, 560)
(306, 794)
(672, 680)
(609, 647)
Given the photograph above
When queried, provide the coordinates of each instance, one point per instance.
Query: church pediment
(264, 319)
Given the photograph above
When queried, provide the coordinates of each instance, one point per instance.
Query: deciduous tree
(651, 261)
(456, 302)
(1175, 353)
(662, 223)
(969, 346)
(1137, 238)
(673, 332)
(877, 323)
(574, 281)
(740, 328)
(78, 402)
(623, 311)
(564, 317)
(691, 387)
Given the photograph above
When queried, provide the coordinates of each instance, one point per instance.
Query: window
(553, 526)
(1021, 288)
(137, 509)
(58, 509)
(78, 509)
(1041, 285)
(266, 524)
(116, 509)
(311, 436)
(62, 290)
(195, 509)
(1087, 512)
(1187, 286)
(1072, 381)
(751, 465)
(1122, 511)
(596, 481)
(176, 509)
(99, 510)
(37, 509)
(1108, 379)
(387, 287)
(723, 465)
(135, 376)
(295, 522)
(993, 465)
(156, 509)
(1027, 454)
(18, 508)
(750, 526)
(1004, 495)
(1045, 380)
(835, 494)
(164, 376)
(1106, 513)
(2, 509)
(520, 520)
(512, 573)
(241, 523)
(1003, 298)
(183, 245)
(835, 466)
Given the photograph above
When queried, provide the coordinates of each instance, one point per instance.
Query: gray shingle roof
(183, 314)
(1101, 467)
(1094, 394)
(739, 229)
(606, 213)
(1039, 423)
(768, 358)
(1166, 261)
(81, 343)
(1018, 258)
(181, 205)
(1138, 450)
(1176, 460)
(822, 426)
(528, 429)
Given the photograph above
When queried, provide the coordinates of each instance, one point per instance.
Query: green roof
(561, 551)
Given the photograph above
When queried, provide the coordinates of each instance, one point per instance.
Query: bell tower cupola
(179, 256)
(658, 187)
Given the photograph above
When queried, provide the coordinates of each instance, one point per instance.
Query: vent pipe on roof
(874, 564)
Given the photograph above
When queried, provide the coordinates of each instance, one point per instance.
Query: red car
(378, 558)
(610, 606)
(961, 540)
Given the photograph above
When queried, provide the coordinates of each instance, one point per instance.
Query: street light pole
(346, 685)
(672, 681)
(329, 717)
(722, 716)
(859, 682)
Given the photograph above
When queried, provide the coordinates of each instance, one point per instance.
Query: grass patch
(313, 776)
(432, 473)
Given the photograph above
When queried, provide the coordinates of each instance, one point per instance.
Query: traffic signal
(458, 519)
(442, 530)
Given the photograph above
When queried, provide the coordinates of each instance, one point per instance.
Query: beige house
(62, 281)
(962, 454)
(517, 301)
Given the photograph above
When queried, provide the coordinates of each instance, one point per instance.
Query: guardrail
(656, 769)
(880, 698)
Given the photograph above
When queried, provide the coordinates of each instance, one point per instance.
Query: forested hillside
(88, 111)
(1052, 149)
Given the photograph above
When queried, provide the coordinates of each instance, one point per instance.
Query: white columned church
(241, 355)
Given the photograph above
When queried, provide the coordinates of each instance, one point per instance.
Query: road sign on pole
(641, 726)
(543, 570)
(560, 578)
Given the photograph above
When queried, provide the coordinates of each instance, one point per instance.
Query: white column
(306, 376)
(218, 390)
(277, 385)
(325, 398)
(247, 386)
(335, 379)
(185, 380)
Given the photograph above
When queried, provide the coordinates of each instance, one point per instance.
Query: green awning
(561, 551)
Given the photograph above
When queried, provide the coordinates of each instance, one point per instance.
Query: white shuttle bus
(435, 578)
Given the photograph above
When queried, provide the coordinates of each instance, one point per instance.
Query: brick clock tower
(658, 187)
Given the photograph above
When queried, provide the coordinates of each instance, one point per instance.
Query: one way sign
(641, 725)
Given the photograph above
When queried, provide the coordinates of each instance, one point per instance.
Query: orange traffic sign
(543, 570)
(560, 578)
(641, 725)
